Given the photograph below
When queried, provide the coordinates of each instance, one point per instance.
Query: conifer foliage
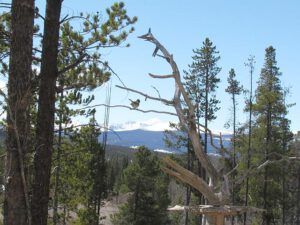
(148, 186)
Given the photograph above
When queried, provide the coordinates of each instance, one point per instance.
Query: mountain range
(154, 140)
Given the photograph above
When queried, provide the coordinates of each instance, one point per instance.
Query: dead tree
(214, 196)
(217, 192)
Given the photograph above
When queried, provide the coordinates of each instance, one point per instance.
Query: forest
(55, 170)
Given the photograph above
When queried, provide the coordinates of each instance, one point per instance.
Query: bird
(135, 104)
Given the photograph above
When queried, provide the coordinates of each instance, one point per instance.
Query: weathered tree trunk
(16, 203)
(45, 116)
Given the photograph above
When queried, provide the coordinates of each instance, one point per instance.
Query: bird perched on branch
(135, 104)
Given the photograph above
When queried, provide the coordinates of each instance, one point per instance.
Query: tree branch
(257, 168)
(167, 102)
(124, 106)
(215, 210)
(187, 124)
(161, 76)
(73, 65)
(190, 178)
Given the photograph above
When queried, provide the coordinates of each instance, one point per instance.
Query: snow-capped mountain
(154, 124)
(150, 134)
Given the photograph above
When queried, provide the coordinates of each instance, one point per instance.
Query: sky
(237, 28)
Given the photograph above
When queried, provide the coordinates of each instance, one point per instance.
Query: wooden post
(220, 220)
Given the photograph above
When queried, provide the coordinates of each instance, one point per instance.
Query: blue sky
(238, 29)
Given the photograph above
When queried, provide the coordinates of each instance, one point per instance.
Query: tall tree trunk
(16, 202)
(251, 65)
(203, 174)
(45, 116)
(234, 152)
(58, 168)
(267, 218)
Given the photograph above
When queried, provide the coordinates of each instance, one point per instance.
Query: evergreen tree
(269, 111)
(234, 88)
(149, 187)
(83, 174)
(249, 105)
(109, 33)
(202, 81)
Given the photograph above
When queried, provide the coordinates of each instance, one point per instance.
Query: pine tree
(201, 83)
(149, 187)
(269, 110)
(234, 89)
(97, 35)
(70, 87)
(250, 64)
(83, 178)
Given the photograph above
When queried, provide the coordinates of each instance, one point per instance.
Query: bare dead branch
(220, 149)
(124, 106)
(216, 210)
(165, 101)
(161, 76)
(156, 91)
(190, 178)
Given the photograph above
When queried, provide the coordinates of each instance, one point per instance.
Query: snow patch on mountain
(154, 124)
(163, 151)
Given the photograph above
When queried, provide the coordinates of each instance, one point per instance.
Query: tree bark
(16, 203)
(45, 116)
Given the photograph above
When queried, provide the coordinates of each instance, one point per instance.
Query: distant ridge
(154, 140)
